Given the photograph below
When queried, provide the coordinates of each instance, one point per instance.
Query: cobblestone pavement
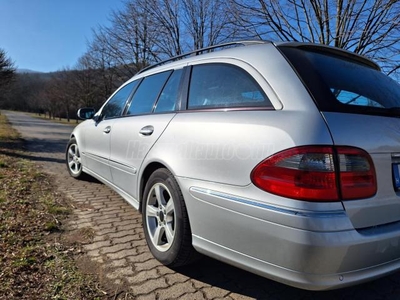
(117, 250)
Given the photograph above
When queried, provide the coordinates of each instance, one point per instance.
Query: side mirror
(86, 113)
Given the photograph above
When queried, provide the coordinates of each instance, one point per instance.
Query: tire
(73, 160)
(165, 221)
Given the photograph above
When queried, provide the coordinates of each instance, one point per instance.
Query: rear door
(361, 106)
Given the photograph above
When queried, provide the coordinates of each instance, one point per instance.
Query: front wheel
(165, 221)
(73, 160)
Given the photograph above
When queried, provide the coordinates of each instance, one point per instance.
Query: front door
(97, 136)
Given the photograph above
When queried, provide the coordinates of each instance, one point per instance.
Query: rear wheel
(165, 221)
(73, 160)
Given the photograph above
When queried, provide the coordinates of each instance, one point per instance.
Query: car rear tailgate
(380, 137)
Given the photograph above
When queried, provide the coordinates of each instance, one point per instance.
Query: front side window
(147, 93)
(116, 104)
(224, 86)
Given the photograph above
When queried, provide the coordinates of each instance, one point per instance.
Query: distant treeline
(60, 94)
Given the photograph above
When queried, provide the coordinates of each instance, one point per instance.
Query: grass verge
(33, 262)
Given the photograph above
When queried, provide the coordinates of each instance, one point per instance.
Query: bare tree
(208, 22)
(60, 94)
(128, 43)
(93, 81)
(370, 28)
(166, 22)
(147, 31)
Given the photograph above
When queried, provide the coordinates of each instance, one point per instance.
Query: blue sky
(48, 35)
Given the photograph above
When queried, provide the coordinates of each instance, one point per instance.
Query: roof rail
(199, 51)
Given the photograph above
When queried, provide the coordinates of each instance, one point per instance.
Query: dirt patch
(35, 262)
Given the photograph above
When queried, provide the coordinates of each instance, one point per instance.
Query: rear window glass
(351, 86)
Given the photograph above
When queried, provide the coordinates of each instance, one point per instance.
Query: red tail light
(317, 173)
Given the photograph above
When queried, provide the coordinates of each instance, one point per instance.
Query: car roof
(204, 50)
(225, 48)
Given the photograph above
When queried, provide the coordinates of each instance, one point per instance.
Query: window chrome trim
(244, 108)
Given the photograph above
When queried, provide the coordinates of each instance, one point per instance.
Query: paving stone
(175, 291)
(105, 231)
(236, 296)
(116, 248)
(175, 278)
(147, 265)
(97, 259)
(120, 273)
(83, 224)
(143, 276)
(214, 292)
(100, 238)
(140, 257)
(97, 245)
(149, 286)
(116, 263)
(146, 297)
(163, 270)
(143, 248)
(122, 233)
(121, 254)
(193, 296)
(104, 226)
(125, 239)
(94, 252)
(199, 284)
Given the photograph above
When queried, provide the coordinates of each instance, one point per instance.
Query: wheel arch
(150, 169)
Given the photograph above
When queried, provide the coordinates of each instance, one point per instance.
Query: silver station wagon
(279, 158)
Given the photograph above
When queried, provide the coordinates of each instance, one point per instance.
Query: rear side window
(169, 95)
(147, 93)
(224, 86)
(344, 85)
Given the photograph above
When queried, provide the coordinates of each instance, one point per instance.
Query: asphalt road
(117, 251)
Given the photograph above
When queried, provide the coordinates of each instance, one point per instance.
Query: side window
(169, 95)
(116, 104)
(146, 95)
(222, 86)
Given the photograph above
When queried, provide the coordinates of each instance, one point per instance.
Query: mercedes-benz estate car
(279, 158)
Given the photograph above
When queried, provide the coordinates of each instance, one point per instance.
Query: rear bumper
(290, 277)
(305, 250)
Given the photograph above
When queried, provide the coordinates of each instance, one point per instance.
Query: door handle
(107, 129)
(147, 130)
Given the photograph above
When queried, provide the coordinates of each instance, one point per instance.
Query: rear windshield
(340, 84)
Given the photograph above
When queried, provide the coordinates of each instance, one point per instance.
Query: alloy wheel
(160, 215)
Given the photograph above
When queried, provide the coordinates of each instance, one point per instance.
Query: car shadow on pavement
(31, 157)
(43, 146)
(89, 178)
(227, 277)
